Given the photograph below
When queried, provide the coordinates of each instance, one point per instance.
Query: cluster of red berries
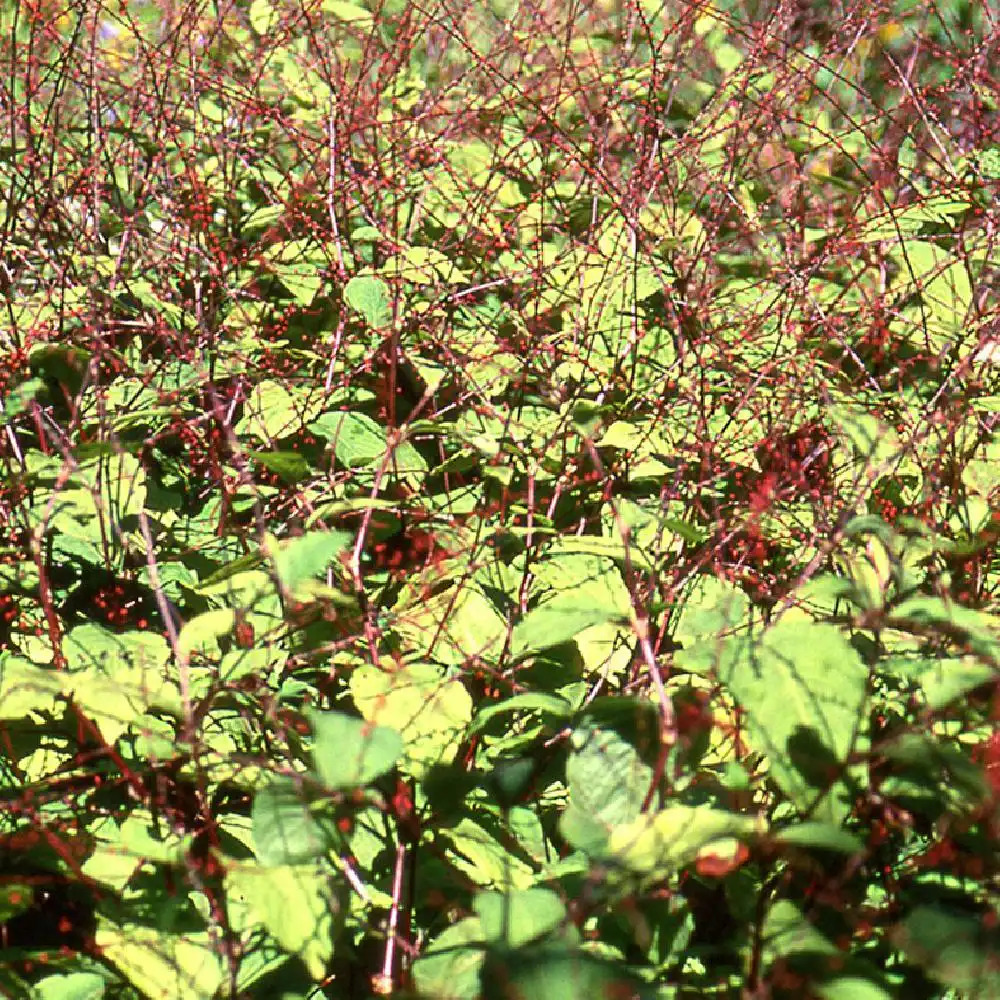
(10, 613)
(407, 550)
(795, 463)
(205, 450)
(743, 557)
(13, 368)
(119, 608)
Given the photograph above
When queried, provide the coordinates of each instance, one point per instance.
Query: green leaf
(988, 161)
(202, 633)
(263, 16)
(348, 752)
(803, 688)
(608, 782)
(787, 932)
(357, 439)
(307, 557)
(116, 679)
(274, 412)
(284, 829)
(556, 971)
(423, 266)
(976, 628)
(421, 702)
(537, 701)
(369, 296)
(164, 965)
(291, 466)
(26, 688)
(555, 622)
(299, 904)
(516, 918)
(19, 397)
(852, 988)
(481, 851)
(116, 481)
(449, 968)
(945, 681)
(957, 950)
(349, 12)
(453, 626)
(659, 843)
(74, 986)
(712, 608)
(823, 836)
(302, 277)
(609, 548)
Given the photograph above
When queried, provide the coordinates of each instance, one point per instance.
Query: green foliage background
(499, 500)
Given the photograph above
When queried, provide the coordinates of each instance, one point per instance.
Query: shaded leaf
(348, 752)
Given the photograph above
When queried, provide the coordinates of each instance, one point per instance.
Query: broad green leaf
(449, 967)
(896, 223)
(299, 904)
(357, 439)
(988, 161)
(273, 412)
(117, 701)
(202, 633)
(264, 17)
(453, 626)
(958, 950)
(787, 932)
(73, 986)
(348, 752)
(19, 397)
(979, 629)
(607, 548)
(515, 919)
(116, 679)
(26, 688)
(606, 648)
(557, 621)
(289, 465)
(482, 852)
(115, 483)
(822, 836)
(307, 557)
(537, 701)
(945, 681)
(369, 296)
(162, 965)
(945, 287)
(284, 830)
(607, 779)
(299, 270)
(803, 688)
(589, 579)
(351, 13)
(557, 971)
(713, 616)
(430, 710)
(423, 266)
(874, 442)
(852, 988)
(245, 588)
(656, 844)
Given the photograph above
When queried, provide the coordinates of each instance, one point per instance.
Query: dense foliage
(499, 499)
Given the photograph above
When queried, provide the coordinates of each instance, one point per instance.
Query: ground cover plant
(499, 500)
